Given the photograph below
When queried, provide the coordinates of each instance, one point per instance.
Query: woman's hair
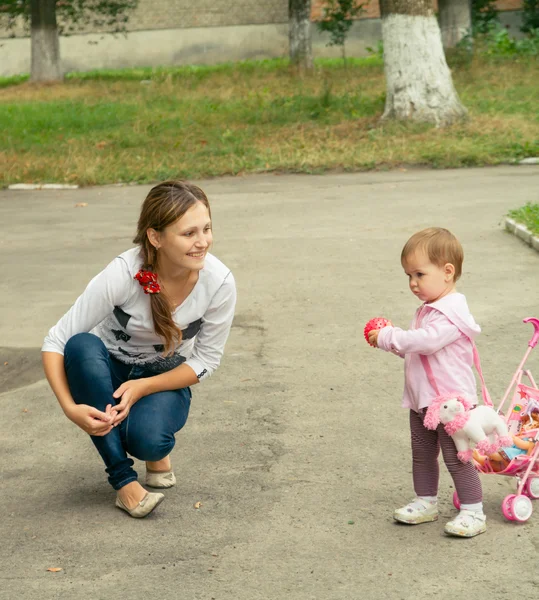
(439, 244)
(165, 203)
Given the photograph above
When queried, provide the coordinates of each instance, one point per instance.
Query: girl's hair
(439, 244)
(165, 204)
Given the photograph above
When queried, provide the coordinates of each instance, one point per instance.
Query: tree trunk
(299, 19)
(419, 83)
(45, 42)
(455, 20)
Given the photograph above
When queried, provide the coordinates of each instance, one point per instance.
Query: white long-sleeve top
(115, 308)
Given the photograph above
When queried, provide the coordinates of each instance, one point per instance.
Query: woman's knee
(86, 359)
(83, 345)
(149, 446)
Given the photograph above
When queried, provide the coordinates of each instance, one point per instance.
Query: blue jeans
(147, 433)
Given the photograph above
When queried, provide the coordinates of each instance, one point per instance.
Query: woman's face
(185, 243)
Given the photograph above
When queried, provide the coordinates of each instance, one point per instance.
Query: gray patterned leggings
(426, 446)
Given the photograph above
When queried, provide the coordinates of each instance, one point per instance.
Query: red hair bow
(148, 281)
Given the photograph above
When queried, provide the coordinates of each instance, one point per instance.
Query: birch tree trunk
(299, 19)
(45, 42)
(419, 83)
(455, 18)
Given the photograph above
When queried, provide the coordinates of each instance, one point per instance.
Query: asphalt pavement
(296, 449)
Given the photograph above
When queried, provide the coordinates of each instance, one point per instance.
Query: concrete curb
(42, 186)
(522, 232)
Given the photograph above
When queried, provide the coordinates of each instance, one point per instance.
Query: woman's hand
(91, 420)
(373, 337)
(130, 392)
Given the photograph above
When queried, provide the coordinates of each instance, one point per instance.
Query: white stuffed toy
(481, 426)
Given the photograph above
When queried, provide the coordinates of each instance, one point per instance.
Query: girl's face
(185, 243)
(427, 281)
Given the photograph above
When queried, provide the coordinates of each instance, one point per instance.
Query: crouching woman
(153, 323)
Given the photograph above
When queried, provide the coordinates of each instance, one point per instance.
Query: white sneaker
(468, 523)
(418, 511)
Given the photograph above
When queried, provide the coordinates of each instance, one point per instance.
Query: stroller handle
(535, 338)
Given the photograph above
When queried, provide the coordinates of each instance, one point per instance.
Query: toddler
(443, 330)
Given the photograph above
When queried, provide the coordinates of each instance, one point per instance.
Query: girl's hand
(91, 420)
(373, 337)
(130, 392)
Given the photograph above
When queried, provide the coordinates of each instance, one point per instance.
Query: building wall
(183, 14)
(176, 14)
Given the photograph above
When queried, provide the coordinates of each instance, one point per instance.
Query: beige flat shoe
(144, 507)
(160, 479)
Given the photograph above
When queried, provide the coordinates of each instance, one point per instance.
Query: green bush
(530, 17)
(497, 42)
(484, 16)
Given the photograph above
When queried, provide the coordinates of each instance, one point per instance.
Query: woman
(153, 323)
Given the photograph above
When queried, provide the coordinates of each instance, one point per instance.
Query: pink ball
(376, 323)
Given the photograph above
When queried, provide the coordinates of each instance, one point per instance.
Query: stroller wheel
(456, 501)
(506, 507)
(531, 489)
(521, 507)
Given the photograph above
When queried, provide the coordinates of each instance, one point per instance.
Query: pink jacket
(442, 331)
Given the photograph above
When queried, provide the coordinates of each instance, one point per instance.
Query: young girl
(153, 323)
(443, 330)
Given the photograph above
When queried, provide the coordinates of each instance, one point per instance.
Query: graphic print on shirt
(121, 316)
(188, 333)
(120, 335)
(151, 356)
(130, 354)
(191, 330)
(166, 363)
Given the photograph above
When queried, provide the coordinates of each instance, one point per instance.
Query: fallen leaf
(81, 204)
(54, 569)
(198, 504)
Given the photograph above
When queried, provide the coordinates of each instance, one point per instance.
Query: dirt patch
(19, 367)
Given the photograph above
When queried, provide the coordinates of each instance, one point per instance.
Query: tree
(455, 18)
(339, 16)
(45, 63)
(419, 83)
(299, 33)
(50, 18)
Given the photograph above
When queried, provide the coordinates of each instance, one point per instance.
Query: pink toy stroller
(522, 418)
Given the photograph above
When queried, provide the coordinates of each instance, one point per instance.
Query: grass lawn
(149, 124)
(527, 215)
